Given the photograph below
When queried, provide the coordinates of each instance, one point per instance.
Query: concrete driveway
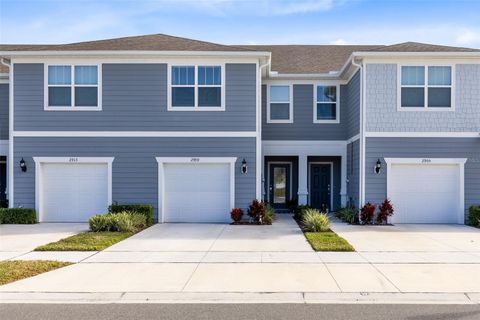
(18, 239)
(185, 242)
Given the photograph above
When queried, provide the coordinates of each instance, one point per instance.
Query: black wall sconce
(378, 166)
(23, 165)
(244, 168)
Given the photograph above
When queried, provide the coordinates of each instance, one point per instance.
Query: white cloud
(339, 42)
(468, 37)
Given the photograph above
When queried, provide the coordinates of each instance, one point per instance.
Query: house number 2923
(194, 160)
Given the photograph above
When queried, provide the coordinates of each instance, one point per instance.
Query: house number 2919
(426, 160)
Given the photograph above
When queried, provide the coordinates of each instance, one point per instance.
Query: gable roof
(286, 59)
(304, 59)
(153, 42)
(421, 47)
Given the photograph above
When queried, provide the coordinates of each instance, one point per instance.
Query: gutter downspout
(10, 133)
(361, 177)
(259, 154)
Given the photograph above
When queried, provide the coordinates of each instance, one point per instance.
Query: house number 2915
(73, 160)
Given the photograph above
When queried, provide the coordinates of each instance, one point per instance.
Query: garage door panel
(73, 192)
(424, 193)
(197, 192)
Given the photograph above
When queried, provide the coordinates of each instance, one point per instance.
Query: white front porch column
(302, 180)
(343, 184)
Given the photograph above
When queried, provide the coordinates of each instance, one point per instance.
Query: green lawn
(86, 241)
(15, 270)
(328, 241)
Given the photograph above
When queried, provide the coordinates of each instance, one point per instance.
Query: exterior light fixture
(378, 166)
(23, 165)
(244, 168)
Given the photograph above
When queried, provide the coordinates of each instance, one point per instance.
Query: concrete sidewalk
(271, 263)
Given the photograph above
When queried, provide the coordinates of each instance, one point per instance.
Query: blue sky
(454, 22)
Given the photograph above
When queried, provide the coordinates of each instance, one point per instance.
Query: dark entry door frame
(288, 166)
(310, 182)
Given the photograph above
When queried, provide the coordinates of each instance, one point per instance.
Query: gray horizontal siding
(353, 172)
(135, 170)
(4, 111)
(380, 148)
(303, 127)
(135, 99)
(382, 113)
(351, 105)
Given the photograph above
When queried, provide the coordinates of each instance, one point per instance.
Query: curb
(229, 298)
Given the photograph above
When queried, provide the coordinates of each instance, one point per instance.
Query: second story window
(326, 105)
(72, 87)
(280, 106)
(196, 88)
(426, 88)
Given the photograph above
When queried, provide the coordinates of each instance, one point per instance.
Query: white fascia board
(391, 54)
(143, 53)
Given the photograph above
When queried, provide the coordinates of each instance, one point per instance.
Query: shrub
(119, 221)
(385, 211)
(300, 210)
(474, 216)
(145, 209)
(256, 210)
(100, 222)
(18, 216)
(315, 221)
(367, 213)
(347, 214)
(269, 215)
(236, 214)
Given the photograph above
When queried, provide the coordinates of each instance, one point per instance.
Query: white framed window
(426, 88)
(196, 88)
(326, 107)
(72, 87)
(280, 104)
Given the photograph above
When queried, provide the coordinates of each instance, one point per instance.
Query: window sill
(280, 121)
(423, 109)
(196, 109)
(326, 121)
(49, 108)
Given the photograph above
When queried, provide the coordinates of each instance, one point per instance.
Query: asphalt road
(240, 311)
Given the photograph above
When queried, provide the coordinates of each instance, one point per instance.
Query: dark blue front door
(279, 188)
(320, 188)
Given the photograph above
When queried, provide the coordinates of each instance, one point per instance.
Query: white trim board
(142, 134)
(73, 160)
(433, 161)
(161, 177)
(372, 134)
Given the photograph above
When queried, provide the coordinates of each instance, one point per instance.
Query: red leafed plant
(256, 210)
(367, 213)
(236, 214)
(385, 211)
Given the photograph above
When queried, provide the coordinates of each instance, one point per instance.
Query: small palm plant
(316, 221)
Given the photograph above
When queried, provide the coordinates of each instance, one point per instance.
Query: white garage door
(73, 192)
(197, 192)
(425, 193)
